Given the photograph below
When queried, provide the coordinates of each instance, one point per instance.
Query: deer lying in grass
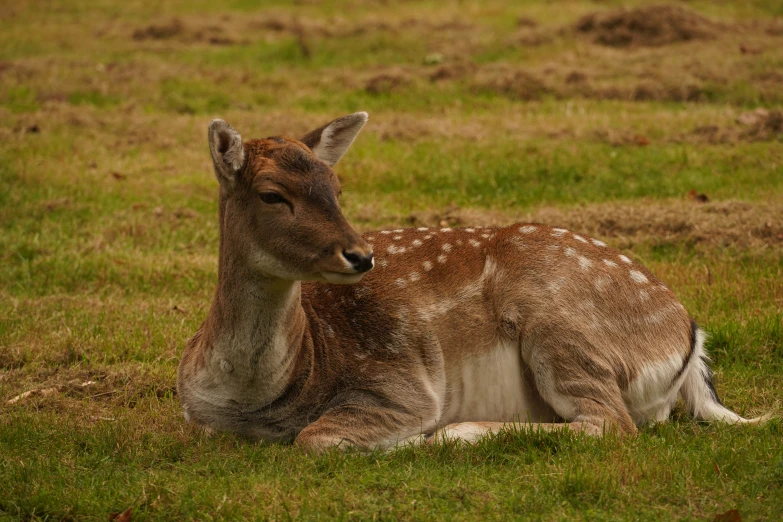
(457, 332)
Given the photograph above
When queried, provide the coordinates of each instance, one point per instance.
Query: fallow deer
(457, 332)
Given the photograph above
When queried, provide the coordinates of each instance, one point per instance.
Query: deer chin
(339, 278)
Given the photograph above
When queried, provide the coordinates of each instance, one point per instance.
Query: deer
(322, 337)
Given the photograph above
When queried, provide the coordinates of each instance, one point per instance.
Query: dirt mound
(514, 83)
(758, 125)
(391, 80)
(648, 26)
(176, 29)
(761, 125)
(162, 31)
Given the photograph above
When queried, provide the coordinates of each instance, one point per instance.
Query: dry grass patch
(743, 225)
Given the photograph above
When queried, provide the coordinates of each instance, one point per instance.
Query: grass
(108, 239)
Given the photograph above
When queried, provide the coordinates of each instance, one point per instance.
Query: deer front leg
(360, 427)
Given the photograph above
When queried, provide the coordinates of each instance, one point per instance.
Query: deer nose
(359, 261)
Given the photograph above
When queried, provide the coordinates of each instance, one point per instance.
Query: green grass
(109, 237)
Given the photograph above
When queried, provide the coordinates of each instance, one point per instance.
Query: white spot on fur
(644, 295)
(580, 238)
(528, 229)
(485, 236)
(624, 259)
(474, 243)
(445, 229)
(422, 229)
(556, 284)
(385, 232)
(394, 249)
(398, 230)
(441, 259)
(414, 277)
(662, 314)
(226, 366)
(558, 232)
(610, 263)
(427, 266)
(584, 263)
(417, 242)
(400, 282)
(428, 236)
(383, 263)
(599, 243)
(638, 277)
(397, 238)
(370, 238)
(446, 247)
(570, 252)
(601, 283)
(459, 242)
(470, 230)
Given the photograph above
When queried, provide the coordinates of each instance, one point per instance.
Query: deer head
(279, 209)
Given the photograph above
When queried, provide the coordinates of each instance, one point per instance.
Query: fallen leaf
(699, 198)
(641, 140)
(46, 391)
(118, 175)
(125, 516)
(731, 515)
(30, 393)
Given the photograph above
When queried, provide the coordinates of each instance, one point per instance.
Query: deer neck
(255, 326)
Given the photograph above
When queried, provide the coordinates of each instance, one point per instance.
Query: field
(657, 128)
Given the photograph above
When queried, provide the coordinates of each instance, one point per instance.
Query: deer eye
(271, 197)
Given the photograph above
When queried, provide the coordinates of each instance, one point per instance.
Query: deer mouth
(341, 278)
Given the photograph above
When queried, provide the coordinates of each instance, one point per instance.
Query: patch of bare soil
(515, 83)
(775, 28)
(177, 29)
(693, 221)
(532, 36)
(758, 125)
(648, 26)
(338, 26)
(453, 71)
(391, 80)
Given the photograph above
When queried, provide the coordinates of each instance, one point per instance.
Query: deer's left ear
(330, 142)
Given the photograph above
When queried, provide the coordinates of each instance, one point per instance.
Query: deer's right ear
(228, 156)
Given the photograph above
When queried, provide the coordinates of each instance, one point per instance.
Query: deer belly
(491, 387)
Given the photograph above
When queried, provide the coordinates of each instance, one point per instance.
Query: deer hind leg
(581, 389)
(471, 432)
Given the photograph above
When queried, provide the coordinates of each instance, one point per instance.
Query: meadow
(655, 127)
